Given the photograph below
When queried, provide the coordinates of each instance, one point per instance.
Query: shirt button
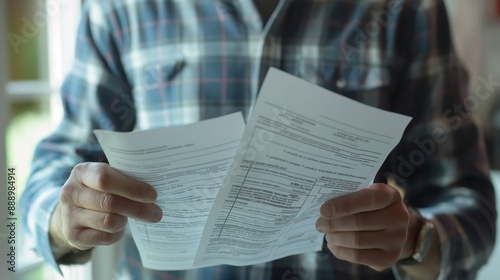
(341, 83)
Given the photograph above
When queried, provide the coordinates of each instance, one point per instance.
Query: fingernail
(150, 195)
(326, 210)
(157, 214)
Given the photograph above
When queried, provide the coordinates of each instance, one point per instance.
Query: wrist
(421, 257)
(424, 247)
(413, 232)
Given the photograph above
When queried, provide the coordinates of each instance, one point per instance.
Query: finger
(109, 203)
(372, 198)
(385, 240)
(375, 258)
(390, 217)
(356, 222)
(86, 238)
(106, 222)
(104, 178)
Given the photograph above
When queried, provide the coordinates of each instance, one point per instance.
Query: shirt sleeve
(441, 161)
(95, 95)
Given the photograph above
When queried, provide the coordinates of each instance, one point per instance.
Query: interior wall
(476, 30)
(466, 24)
(490, 69)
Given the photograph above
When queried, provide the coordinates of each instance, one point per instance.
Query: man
(144, 64)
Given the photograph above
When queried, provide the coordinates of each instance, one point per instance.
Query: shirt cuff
(45, 247)
(42, 226)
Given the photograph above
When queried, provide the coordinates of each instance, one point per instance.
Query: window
(37, 42)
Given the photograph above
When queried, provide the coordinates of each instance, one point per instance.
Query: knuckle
(405, 216)
(323, 225)
(66, 193)
(69, 225)
(396, 193)
(144, 211)
(382, 195)
(116, 236)
(330, 239)
(394, 240)
(359, 221)
(344, 254)
(106, 238)
(401, 217)
(353, 256)
(374, 197)
(334, 249)
(69, 214)
(73, 235)
(356, 240)
(342, 207)
(103, 177)
(107, 202)
(108, 222)
(80, 167)
(112, 223)
(68, 219)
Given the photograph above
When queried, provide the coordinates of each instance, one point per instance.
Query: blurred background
(36, 48)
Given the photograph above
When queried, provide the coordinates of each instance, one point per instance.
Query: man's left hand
(368, 227)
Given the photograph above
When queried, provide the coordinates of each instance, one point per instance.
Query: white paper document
(242, 200)
(186, 165)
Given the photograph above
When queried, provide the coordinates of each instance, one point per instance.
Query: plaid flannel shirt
(142, 64)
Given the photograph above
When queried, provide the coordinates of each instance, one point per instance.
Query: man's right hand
(94, 204)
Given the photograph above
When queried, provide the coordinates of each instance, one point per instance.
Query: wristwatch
(424, 241)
